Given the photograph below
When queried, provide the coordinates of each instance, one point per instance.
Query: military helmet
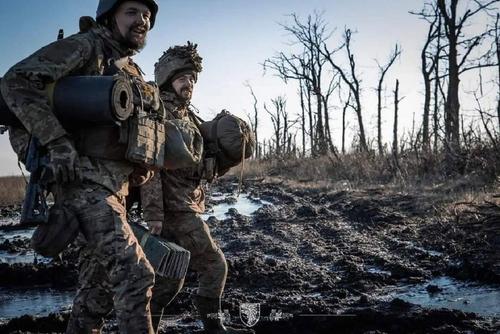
(106, 7)
(177, 59)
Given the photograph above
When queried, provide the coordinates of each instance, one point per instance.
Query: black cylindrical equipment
(86, 100)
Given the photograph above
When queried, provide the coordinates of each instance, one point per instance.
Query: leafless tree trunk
(395, 127)
(281, 124)
(485, 121)
(497, 45)
(344, 110)
(453, 25)
(302, 117)
(382, 71)
(395, 150)
(352, 82)
(255, 122)
(437, 85)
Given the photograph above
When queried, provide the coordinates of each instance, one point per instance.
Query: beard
(185, 94)
(130, 41)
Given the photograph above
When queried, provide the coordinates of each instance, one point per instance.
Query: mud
(358, 261)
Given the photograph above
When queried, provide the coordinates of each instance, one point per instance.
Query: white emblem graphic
(250, 314)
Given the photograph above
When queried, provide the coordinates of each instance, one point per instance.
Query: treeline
(326, 71)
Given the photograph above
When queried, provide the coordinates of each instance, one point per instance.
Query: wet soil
(320, 261)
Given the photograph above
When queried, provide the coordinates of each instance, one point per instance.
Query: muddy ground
(330, 261)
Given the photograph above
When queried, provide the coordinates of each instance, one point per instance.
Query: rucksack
(227, 138)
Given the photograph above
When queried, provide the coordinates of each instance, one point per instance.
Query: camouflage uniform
(113, 267)
(179, 206)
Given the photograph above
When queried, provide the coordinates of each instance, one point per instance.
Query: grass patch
(12, 190)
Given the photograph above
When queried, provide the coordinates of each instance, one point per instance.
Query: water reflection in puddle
(245, 205)
(467, 297)
(25, 257)
(377, 270)
(16, 234)
(14, 220)
(38, 302)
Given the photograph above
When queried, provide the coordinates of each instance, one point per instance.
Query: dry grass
(11, 190)
(476, 172)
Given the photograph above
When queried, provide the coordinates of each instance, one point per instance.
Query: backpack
(228, 139)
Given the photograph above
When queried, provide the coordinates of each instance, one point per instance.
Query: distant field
(11, 190)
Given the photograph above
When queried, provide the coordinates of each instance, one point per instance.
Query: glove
(155, 226)
(63, 161)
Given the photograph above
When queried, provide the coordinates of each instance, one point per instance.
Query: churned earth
(313, 260)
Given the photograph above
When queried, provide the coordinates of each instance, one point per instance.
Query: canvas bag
(229, 139)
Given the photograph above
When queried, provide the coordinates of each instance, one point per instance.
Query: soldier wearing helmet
(174, 199)
(91, 177)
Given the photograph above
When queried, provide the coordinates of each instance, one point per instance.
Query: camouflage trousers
(189, 231)
(114, 271)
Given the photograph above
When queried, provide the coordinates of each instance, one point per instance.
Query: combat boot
(210, 311)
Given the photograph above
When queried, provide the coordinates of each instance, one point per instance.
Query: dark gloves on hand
(63, 161)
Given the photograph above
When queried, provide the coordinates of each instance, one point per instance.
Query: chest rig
(140, 138)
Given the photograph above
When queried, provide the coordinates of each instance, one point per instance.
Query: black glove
(63, 161)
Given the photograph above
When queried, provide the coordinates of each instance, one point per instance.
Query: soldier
(175, 214)
(91, 175)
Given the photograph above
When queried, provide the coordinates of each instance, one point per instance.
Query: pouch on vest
(53, 237)
(146, 141)
(183, 144)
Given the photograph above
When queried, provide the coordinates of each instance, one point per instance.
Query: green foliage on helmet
(107, 7)
(177, 59)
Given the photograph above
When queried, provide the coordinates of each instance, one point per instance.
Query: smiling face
(132, 24)
(183, 86)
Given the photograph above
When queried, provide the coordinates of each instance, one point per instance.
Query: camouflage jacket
(25, 88)
(181, 189)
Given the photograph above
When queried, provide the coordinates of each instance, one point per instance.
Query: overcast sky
(234, 38)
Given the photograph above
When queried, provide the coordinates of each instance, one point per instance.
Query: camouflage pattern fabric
(181, 188)
(177, 198)
(108, 277)
(113, 264)
(189, 231)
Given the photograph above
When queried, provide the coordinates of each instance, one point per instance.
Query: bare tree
(485, 119)
(395, 152)
(430, 57)
(458, 45)
(497, 51)
(254, 121)
(308, 67)
(382, 71)
(395, 126)
(351, 79)
(280, 124)
(437, 84)
(346, 105)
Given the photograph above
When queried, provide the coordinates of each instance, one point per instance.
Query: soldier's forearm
(30, 105)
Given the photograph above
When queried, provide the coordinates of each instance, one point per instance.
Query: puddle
(377, 270)
(38, 302)
(25, 257)
(16, 234)
(14, 220)
(468, 297)
(245, 205)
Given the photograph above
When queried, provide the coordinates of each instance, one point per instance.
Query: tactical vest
(139, 139)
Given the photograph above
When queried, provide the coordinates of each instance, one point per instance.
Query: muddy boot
(210, 310)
